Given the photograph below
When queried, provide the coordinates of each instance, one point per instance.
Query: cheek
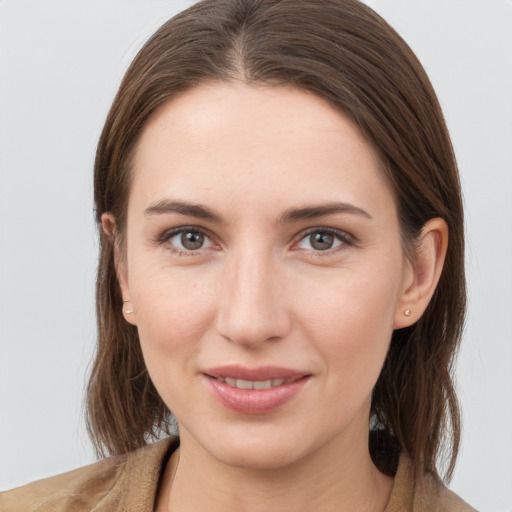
(351, 324)
(172, 317)
(174, 309)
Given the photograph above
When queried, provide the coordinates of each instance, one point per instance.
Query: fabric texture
(129, 483)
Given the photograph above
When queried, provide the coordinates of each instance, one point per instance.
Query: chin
(257, 447)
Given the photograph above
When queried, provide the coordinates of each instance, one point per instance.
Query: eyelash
(341, 236)
(168, 235)
(344, 238)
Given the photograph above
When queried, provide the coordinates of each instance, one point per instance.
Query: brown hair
(344, 52)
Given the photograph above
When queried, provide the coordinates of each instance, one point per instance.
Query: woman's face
(265, 271)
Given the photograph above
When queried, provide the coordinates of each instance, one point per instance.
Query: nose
(252, 307)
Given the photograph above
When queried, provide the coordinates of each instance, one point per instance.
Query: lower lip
(255, 401)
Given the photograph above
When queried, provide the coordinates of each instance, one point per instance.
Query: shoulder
(433, 496)
(101, 486)
(81, 488)
(449, 501)
(439, 498)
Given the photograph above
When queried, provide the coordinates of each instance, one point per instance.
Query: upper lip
(255, 374)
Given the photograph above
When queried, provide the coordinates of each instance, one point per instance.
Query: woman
(281, 267)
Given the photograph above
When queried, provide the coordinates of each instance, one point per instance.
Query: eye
(187, 240)
(323, 240)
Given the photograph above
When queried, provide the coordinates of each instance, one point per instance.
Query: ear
(108, 223)
(423, 273)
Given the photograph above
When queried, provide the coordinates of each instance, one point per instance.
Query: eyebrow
(291, 215)
(322, 210)
(192, 210)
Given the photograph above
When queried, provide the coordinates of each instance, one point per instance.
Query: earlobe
(424, 273)
(108, 225)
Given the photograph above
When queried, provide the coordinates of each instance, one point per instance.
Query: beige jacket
(129, 483)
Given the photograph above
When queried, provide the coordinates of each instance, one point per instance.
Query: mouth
(255, 391)
(255, 384)
(263, 377)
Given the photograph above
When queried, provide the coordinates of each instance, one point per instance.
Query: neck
(323, 481)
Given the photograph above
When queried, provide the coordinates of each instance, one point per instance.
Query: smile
(251, 391)
(254, 384)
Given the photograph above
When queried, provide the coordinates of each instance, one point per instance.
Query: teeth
(262, 384)
(244, 384)
(254, 384)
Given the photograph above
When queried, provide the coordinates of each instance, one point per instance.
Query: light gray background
(60, 64)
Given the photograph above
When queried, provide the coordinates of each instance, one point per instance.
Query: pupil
(192, 241)
(321, 241)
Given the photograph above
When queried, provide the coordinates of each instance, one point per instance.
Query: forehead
(224, 141)
(214, 109)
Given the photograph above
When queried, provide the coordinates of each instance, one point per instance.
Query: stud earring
(128, 311)
(407, 312)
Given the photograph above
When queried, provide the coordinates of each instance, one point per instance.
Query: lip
(261, 373)
(255, 401)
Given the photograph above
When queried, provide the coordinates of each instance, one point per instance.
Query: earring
(128, 311)
(407, 312)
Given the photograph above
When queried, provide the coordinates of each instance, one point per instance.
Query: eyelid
(166, 236)
(346, 238)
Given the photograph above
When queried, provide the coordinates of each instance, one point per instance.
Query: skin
(259, 292)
